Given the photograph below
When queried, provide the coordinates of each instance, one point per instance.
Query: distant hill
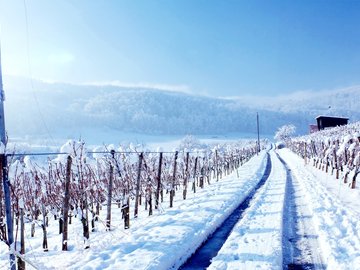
(69, 110)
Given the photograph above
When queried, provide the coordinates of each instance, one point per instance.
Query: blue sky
(219, 48)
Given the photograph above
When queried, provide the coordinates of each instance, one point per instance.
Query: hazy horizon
(110, 113)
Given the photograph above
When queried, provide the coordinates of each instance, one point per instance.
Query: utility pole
(6, 182)
(2, 115)
(258, 132)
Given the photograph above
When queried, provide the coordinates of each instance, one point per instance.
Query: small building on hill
(330, 121)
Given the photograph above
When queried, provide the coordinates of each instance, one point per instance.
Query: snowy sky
(220, 48)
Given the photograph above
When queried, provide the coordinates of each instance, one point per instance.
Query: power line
(31, 77)
(101, 152)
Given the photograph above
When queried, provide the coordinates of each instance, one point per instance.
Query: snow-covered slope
(337, 101)
(65, 110)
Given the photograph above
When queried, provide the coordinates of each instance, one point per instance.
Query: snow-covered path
(201, 259)
(290, 230)
(256, 241)
(320, 231)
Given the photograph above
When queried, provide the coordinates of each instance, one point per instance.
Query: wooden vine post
(2, 222)
(110, 189)
(353, 183)
(336, 164)
(21, 263)
(237, 165)
(202, 174)
(158, 188)
(43, 226)
(136, 210)
(186, 175)
(149, 197)
(126, 213)
(172, 190)
(216, 164)
(66, 204)
(351, 159)
(194, 182)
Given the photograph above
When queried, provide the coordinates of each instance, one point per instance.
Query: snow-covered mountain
(66, 110)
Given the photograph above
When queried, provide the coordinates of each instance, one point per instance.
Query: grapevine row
(80, 183)
(335, 151)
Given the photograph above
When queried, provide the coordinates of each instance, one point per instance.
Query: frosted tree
(285, 132)
(190, 142)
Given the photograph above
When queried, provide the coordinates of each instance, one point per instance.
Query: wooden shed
(330, 121)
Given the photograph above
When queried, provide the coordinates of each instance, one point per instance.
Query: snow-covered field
(258, 241)
(150, 142)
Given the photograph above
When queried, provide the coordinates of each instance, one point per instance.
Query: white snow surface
(336, 213)
(256, 240)
(166, 239)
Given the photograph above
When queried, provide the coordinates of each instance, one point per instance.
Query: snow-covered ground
(256, 241)
(336, 213)
(166, 239)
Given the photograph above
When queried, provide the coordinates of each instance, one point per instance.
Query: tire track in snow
(203, 255)
(300, 240)
(256, 240)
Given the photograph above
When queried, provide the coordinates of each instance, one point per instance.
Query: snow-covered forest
(110, 109)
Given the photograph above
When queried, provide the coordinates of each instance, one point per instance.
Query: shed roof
(334, 117)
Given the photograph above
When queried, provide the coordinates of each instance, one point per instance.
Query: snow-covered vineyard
(292, 208)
